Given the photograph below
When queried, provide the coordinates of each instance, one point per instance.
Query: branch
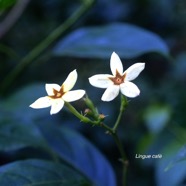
(12, 17)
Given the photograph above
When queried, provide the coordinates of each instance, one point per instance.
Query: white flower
(58, 95)
(119, 81)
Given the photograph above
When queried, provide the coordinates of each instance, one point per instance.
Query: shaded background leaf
(127, 40)
(156, 117)
(76, 150)
(17, 104)
(15, 135)
(174, 175)
(40, 172)
(180, 156)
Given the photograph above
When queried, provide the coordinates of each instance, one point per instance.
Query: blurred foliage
(153, 123)
(4, 4)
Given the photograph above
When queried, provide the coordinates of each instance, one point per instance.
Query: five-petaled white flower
(119, 81)
(58, 95)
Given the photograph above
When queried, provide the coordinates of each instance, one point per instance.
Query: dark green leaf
(16, 128)
(40, 173)
(127, 40)
(76, 150)
(15, 135)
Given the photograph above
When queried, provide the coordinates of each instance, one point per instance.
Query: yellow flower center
(118, 79)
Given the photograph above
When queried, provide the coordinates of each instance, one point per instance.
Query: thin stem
(124, 159)
(13, 16)
(122, 108)
(93, 109)
(111, 131)
(114, 134)
(44, 44)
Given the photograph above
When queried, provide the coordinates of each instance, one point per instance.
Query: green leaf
(165, 171)
(127, 40)
(80, 153)
(18, 131)
(40, 173)
(15, 135)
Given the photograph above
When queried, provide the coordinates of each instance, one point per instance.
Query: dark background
(154, 122)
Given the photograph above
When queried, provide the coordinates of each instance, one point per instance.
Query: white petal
(100, 80)
(73, 95)
(50, 88)
(133, 71)
(42, 102)
(57, 105)
(129, 89)
(116, 64)
(110, 93)
(70, 81)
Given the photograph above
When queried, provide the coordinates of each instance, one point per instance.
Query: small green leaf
(40, 173)
(80, 153)
(127, 40)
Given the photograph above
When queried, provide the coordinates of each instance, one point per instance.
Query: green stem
(124, 159)
(122, 108)
(114, 134)
(44, 44)
(93, 109)
(111, 131)
(78, 115)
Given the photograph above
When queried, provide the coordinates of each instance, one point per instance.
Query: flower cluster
(118, 81)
